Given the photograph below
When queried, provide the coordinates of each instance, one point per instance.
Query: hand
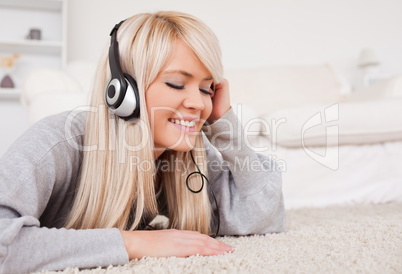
(220, 101)
(171, 242)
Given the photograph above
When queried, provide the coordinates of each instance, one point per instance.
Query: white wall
(252, 33)
(263, 32)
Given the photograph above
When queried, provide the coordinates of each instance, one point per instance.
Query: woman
(79, 190)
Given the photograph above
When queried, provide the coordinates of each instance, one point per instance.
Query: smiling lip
(184, 128)
(195, 119)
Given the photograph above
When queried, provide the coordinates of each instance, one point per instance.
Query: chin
(182, 148)
(181, 142)
(186, 144)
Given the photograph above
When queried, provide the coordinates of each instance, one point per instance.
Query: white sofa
(333, 146)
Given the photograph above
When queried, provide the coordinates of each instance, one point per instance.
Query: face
(179, 101)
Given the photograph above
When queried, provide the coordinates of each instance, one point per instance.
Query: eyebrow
(185, 73)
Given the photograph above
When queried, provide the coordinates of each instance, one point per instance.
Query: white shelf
(30, 43)
(10, 93)
(52, 5)
(31, 46)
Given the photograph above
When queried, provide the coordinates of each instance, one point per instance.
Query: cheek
(154, 101)
(208, 107)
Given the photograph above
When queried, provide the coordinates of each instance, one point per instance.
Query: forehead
(184, 61)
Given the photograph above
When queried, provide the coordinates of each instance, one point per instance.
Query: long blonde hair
(114, 191)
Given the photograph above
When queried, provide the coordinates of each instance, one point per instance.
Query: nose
(194, 100)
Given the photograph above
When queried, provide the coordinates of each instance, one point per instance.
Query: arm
(247, 185)
(37, 182)
(38, 176)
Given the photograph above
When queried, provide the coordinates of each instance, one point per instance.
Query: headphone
(121, 92)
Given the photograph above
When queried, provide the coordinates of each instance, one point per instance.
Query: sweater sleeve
(37, 181)
(247, 185)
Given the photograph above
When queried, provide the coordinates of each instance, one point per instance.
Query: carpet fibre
(360, 238)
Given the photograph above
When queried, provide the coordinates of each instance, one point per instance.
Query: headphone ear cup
(113, 91)
(123, 98)
(131, 82)
(132, 92)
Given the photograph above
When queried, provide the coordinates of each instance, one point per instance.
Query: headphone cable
(197, 191)
(202, 186)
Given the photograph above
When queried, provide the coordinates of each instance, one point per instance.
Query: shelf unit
(17, 17)
(10, 94)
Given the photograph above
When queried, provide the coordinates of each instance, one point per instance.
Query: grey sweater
(38, 178)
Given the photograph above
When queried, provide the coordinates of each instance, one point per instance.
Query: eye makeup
(174, 86)
(179, 87)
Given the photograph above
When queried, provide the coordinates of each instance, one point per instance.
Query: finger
(222, 84)
(196, 235)
(221, 247)
(225, 246)
(207, 241)
(216, 244)
(203, 251)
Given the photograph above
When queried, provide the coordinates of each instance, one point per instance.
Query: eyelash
(182, 87)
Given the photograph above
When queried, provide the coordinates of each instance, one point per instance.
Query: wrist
(134, 243)
(127, 240)
(213, 119)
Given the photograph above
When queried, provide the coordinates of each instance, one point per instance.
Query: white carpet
(363, 238)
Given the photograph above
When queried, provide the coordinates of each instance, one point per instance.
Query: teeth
(183, 123)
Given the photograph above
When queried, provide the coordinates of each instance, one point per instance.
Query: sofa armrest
(47, 81)
(46, 104)
(357, 123)
(49, 91)
(385, 89)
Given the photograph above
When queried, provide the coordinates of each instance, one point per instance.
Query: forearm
(227, 135)
(248, 185)
(30, 248)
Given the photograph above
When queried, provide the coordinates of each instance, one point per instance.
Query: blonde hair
(114, 193)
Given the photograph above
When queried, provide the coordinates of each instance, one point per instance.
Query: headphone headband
(114, 61)
(116, 27)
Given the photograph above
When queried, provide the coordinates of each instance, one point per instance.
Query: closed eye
(174, 86)
(205, 91)
(182, 87)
